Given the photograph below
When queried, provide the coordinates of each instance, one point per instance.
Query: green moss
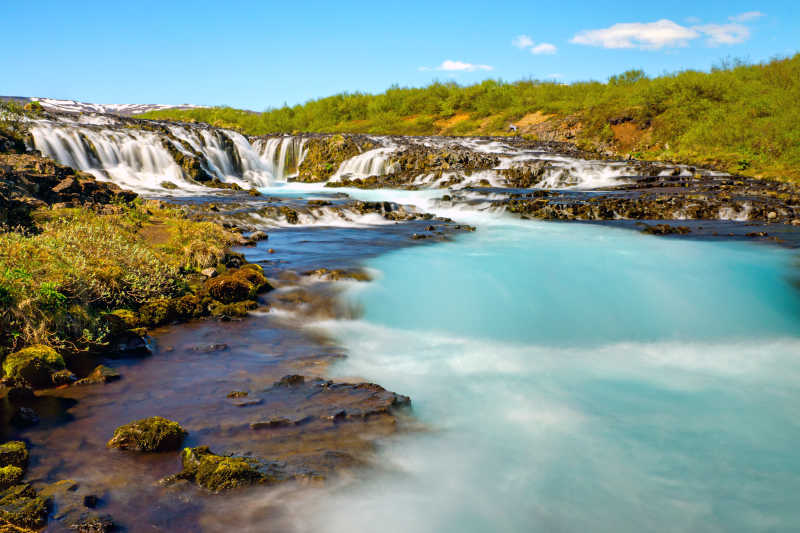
(14, 453)
(156, 312)
(154, 434)
(237, 285)
(218, 473)
(232, 310)
(33, 365)
(121, 320)
(21, 506)
(10, 475)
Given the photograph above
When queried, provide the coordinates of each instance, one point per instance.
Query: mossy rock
(22, 507)
(101, 374)
(154, 434)
(168, 185)
(165, 310)
(121, 320)
(237, 285)
(156, 312)
(233, 310)
(187, 307)
(14, 453)
(10, 475)
(218, 473)
(33, 365)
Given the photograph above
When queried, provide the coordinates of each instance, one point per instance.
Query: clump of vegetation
(738, 117)
(57, 283)
(218, 473)
(154, 434)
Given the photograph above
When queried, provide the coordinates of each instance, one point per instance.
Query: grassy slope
(55, 284)
(744, 118)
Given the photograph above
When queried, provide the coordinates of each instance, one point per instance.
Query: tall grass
(55, 282)
(737, 116)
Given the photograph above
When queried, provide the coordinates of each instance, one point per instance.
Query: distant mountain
(71, 106)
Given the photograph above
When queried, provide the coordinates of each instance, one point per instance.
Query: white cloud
(644, 35)
(554, 76)
(745, 17)
(666, 33)
(522, 41)
(544, 48)
(724, 33)
(458, 66)
(693, 20)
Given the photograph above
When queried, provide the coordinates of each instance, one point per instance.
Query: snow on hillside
(72, 106)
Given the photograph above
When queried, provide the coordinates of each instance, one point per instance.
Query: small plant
(50, 297)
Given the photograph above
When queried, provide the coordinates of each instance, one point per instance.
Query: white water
(285, 154)
(577, 378)
(370, 163)
(138, 160)
(132, 159)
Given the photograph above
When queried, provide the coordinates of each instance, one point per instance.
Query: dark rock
(101, 374)
(24, 417)
(208, 348)
(291, 380)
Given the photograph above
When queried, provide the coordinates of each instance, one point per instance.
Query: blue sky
(260, 54)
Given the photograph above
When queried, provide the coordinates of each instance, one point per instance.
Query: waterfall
(145, 160)
(370, 163)
(284, 154)
(130, 158)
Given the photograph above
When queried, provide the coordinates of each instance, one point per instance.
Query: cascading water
(140, 160)
(132, 159)
(144, 160)
(370, 163)
(285, 154)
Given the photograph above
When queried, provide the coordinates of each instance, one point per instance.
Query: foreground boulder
(154, 434)
(238, 285)
(34, 365)
(218, 473)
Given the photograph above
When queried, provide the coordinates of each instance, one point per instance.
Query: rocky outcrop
(325, 154)
(29, 181)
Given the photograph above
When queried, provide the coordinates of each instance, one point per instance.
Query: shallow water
(579, 378)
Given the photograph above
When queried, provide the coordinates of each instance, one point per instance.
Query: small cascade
(284, 154)
(565, 172)
(370, 163)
